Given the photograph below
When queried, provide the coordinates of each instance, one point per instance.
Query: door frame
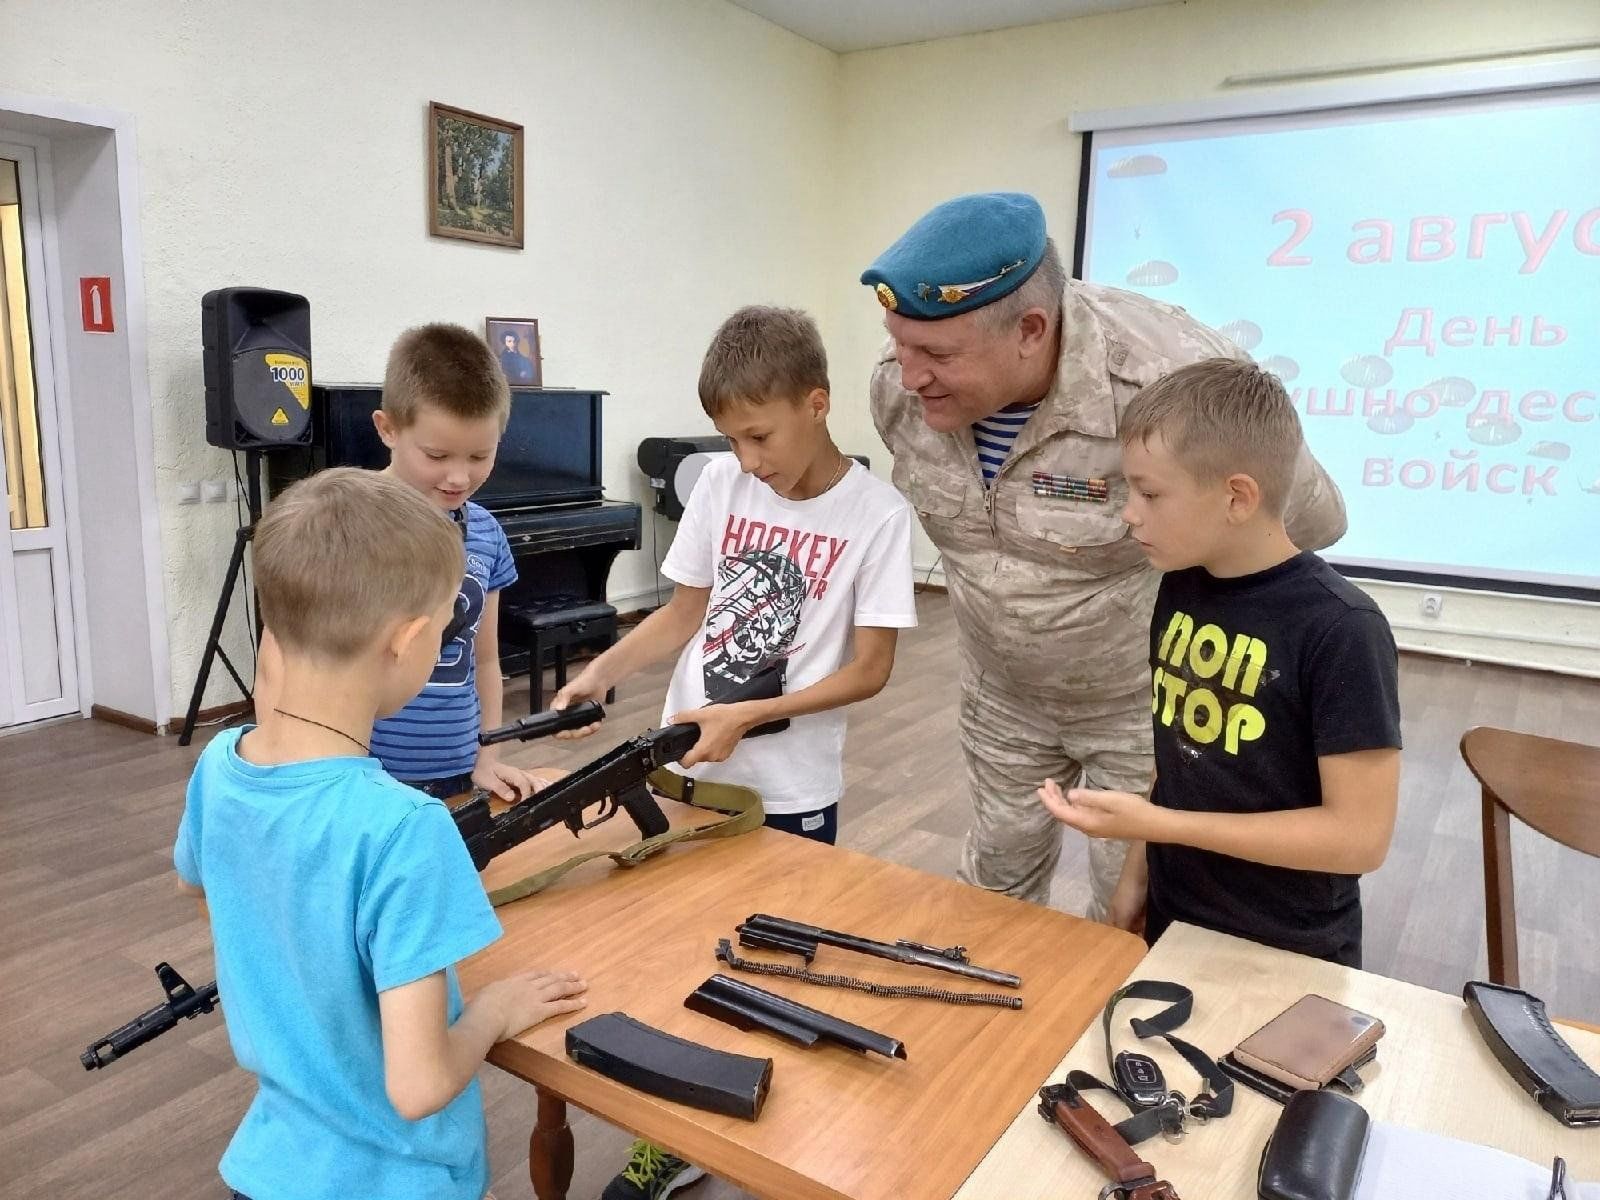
(38, 115)
(34, 181)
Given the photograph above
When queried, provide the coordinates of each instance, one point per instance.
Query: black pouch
(768, 683)
(1316, 1150)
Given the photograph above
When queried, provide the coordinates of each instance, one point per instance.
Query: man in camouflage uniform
(1052, 595)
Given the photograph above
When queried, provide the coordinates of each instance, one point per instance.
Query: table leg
(550, 1148)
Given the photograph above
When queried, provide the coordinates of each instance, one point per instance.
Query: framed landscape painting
(474, 177)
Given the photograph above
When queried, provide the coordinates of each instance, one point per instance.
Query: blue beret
(966, 253)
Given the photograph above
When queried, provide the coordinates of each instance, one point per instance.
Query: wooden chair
(1549, 785)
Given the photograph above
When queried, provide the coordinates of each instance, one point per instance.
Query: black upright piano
(545, 491)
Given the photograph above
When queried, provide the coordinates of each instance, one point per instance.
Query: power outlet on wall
(1432, 604)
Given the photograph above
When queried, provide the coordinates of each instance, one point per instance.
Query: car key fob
(1139, 1079)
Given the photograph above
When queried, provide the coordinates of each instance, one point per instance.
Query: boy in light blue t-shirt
(339, 898)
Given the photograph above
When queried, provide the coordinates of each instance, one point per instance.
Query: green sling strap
(741, 806)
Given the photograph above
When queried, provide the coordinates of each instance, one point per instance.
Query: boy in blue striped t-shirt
(445, 406)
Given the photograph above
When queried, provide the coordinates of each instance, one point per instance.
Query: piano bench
(541, 628)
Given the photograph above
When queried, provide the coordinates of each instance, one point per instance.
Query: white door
(37, 653)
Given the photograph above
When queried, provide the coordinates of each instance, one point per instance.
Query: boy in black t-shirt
(1274, 691)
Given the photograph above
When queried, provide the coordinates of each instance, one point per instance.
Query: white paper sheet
(1407, 1164)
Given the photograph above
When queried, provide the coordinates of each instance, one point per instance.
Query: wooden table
(836, 1124)
(1433, 1072)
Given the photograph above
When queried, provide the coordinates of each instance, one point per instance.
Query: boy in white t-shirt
(788, 550)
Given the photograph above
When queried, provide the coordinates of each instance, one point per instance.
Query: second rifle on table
(796, 937)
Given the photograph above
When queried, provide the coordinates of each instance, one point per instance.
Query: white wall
(101, 404)
(683, 157)
(679, 162)
(925, 122)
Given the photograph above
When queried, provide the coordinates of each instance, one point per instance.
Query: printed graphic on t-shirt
(764, 576)
(454, 668)
(1205, 683)
(755, 618)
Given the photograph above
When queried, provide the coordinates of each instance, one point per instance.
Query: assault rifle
(614, 780)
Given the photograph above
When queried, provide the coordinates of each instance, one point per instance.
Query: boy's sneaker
(651, 1174)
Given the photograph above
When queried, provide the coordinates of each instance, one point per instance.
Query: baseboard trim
(1473, 658)
(115, 716)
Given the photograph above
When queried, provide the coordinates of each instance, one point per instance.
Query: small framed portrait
(474, 177)
(515, 342)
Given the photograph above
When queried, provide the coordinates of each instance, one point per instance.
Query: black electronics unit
(545, 490)
(549, 454)
(256, 356)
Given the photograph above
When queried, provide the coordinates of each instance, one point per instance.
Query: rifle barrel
(798, 930)
(543, 724)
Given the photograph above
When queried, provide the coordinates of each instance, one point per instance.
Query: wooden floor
(86, 888)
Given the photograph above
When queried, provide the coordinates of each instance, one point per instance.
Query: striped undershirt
(994, 435)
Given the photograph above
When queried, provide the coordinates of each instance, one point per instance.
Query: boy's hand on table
(504, 780)
(527, 999)
(1101, 814)
(721, 727)
(584, 687)
(542, 777)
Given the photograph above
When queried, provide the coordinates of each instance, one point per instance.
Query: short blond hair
(1222, 417)
(340, 554)
(761, 354)
(448, 367)
(1042, 289)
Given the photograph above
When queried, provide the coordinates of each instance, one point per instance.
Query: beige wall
(679, 162)
(989, 112)
(683, 157)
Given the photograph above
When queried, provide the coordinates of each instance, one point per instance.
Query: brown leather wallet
(1308, 1044)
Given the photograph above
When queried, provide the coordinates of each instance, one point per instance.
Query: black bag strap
(1169, 1115)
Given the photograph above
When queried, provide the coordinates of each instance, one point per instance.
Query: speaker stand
(214, 650)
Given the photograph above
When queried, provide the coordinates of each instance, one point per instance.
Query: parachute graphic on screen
(1390, 422)
(1138, 164)
(1493, 431)
(1154, 273)
(1285, 369)
(1366, 370)
(1244, 334)
(1556, 450)
(1452, 391)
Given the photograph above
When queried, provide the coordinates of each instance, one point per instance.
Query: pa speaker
(257, 351)
(673, 464)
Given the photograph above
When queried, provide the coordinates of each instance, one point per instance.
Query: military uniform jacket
(1055, 592)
